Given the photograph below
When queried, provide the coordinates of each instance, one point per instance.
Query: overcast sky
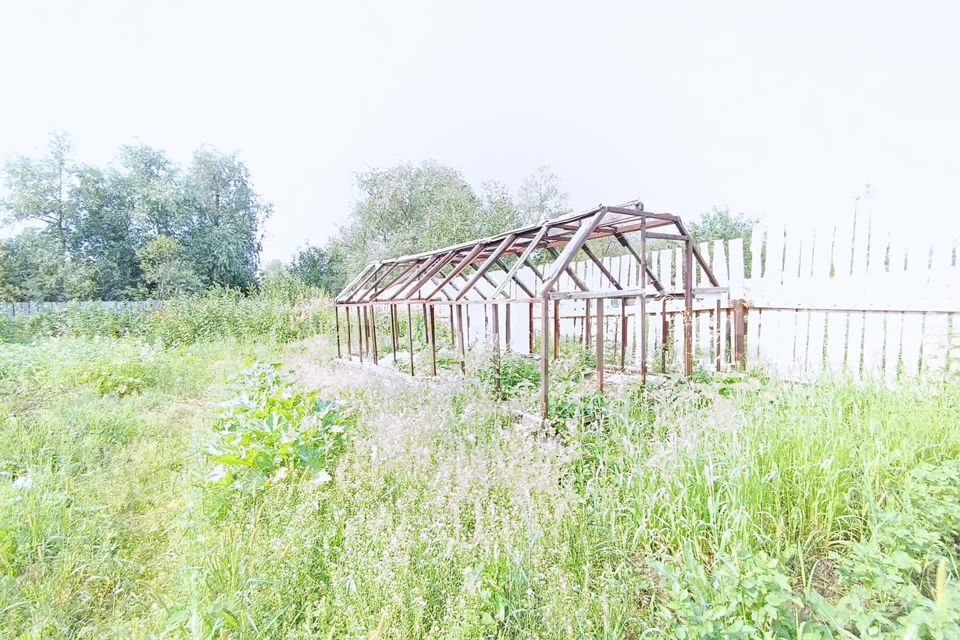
(773, 110)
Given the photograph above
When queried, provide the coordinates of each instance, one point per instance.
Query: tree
(9, 287)
(103, 236)
(319, 267)
(41, 272)
(407, 209)
(540, 196)
(410, 209)
(498, 211)
(165, 270)
(224, 218)
(155, 188)
(38, 189)
(720, 224)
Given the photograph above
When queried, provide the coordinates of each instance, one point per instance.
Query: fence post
(739, 332)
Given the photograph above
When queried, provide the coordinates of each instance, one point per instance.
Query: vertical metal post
(426, 324)
(453, 336)
(463, 350)
(495, 320)
(716, 327)
(530, 327)
(665, 332)
(433, 340)
(349, 337)
(587, 335)
(556, 329)
(600, 345)
(623, 333)
(739, 332)
(373, 335)
(506, 326)
(336, 322)
(393, 331)
(410, 336)
(359, 335)
(688, 308)
(545, 357)
(643, 299)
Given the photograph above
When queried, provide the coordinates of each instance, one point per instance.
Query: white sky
(779, 110)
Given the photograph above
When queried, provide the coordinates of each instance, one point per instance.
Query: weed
(272, 427)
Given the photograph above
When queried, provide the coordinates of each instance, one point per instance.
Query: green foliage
(900, 581)
(321, 268)
(720, 224)
(742, 596)
(224, 220)
(118, 379)
(725, 508)
(518, 375)
(541, 197)
(408, 209)
(285, 310)
(165, 271)
(271, 428)
(93, 230)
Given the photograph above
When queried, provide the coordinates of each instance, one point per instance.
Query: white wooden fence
(851, 299)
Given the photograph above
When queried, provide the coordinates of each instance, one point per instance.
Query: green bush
(900, 581)
(283, 311)
(273, 427)
(517, 375)
(118, 378)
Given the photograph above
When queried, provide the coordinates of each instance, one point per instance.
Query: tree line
(147, 227)
(412, 208)
(142, 227)
(409, 209)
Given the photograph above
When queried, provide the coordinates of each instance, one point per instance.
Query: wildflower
(321, 478)
(218, 474)
(280, 475)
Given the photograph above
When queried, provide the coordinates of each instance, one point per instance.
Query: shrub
(517, 375)
(273, 427)
(284, 312)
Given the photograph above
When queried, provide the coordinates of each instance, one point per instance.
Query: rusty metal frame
(451, 277)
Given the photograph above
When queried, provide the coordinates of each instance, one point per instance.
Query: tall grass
(727, 509)
(282, 312)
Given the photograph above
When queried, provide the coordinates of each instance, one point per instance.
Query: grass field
(178, 485)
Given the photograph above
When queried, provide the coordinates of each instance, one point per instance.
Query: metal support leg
(359, 335)
(587, 335)
(665, 333)
(623, 333)
(393, 332)
(600, 345)
(530, 327)
(375, 351)
(460, 342)
(545, 357)
(336, 322)
(433, 340)
(556, 329)
(453, 337)
(495, 319)
(410, 336)
(506, 326)
(688, 309)
(349, 332)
